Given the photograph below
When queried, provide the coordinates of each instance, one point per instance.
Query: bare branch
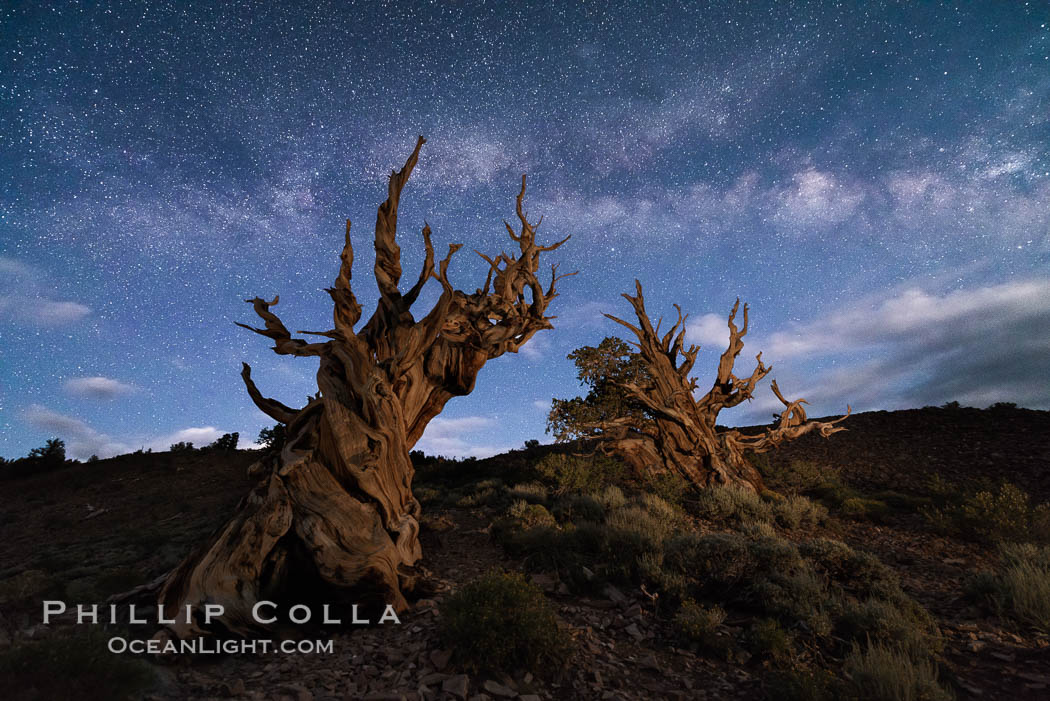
(347, 311)
(509, 309)
(526, 228)
(635, 329)
(388, 253)
(442, 276)
(510, 230)
(284, 344)
(426, 272)
(789, 428)
(743, 391)
(728, 359)
(551, 292)
(544, 249)
(271, 407)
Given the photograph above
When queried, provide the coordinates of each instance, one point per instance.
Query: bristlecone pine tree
(663, 426)
(332, 518)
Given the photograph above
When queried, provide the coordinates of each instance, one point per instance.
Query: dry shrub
(1005, 514)
(767, 638)
(1021, 588)
(572, 473)
(700, 624)
(532, 492)
(886, 673)
(502, 623)
(733, 505)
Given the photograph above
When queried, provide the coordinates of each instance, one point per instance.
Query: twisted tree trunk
(682, 436)
(332, 517)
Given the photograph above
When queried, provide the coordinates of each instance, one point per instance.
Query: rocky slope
(89, 530)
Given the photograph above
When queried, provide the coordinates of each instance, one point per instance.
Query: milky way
(874, 179)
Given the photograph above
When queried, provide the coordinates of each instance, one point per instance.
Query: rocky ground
(901, 449)
(90, 530)
(622, 651)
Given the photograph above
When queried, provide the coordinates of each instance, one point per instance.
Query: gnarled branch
(271, 407)
(284, 344)
(388, 253)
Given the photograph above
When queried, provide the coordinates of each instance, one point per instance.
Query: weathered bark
(333, 512)
(682, 436)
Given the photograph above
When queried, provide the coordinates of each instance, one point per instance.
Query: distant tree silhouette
(50, 456)
(226, 442)
(273, 438)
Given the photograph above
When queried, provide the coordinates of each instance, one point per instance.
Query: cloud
(912, 316)
(467, 436)
(82, 440)
(23, 299)
(536, 347)
(10, 267)
(543, 405)
(97, 387)
(199, 437)
(709, 331)
(44, 418)
(983, 195)
(52, 313)
(816, 199)
(910, 347)
(585, 315)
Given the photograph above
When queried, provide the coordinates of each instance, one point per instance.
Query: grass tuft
(886, 673)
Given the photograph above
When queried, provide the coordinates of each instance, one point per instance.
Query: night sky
(874, 179)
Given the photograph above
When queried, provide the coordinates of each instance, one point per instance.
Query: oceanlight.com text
(206, 646)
